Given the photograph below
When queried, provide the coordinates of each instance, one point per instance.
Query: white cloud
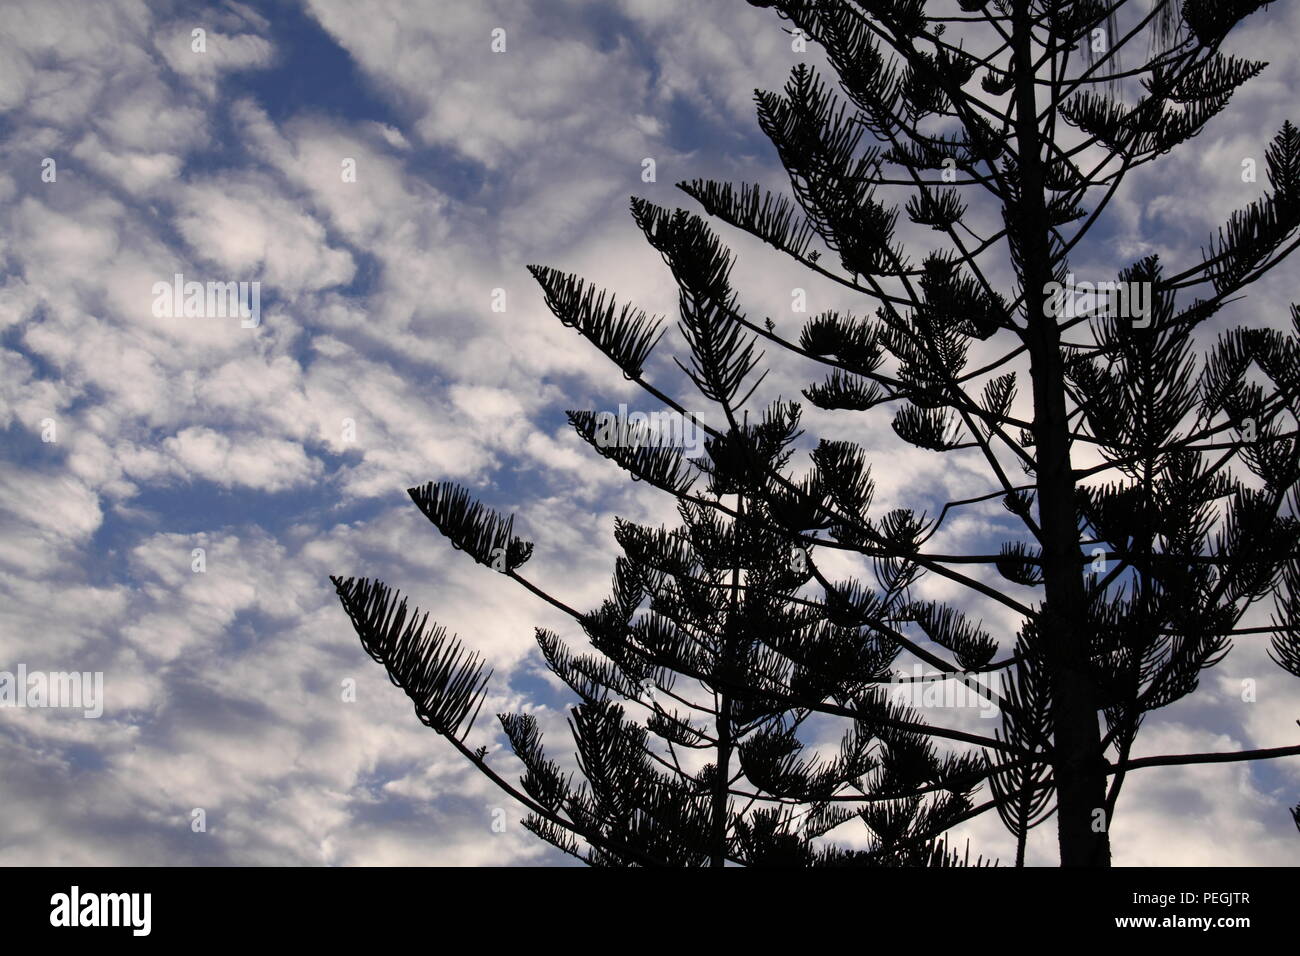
(252, 461)
(243, 229)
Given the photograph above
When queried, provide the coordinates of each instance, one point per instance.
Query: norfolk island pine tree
(1143, 563)
(721, 615)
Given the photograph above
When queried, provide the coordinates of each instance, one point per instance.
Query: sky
(175, 490)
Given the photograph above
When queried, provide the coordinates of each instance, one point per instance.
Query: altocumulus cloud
(202, 480)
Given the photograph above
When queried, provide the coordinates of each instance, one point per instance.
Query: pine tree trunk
(1078, 763)
(720, 800)
(720, 796)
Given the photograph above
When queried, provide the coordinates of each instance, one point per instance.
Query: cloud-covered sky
(283, 450)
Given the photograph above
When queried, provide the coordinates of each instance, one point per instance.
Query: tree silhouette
(720, 660)
(1162, 486)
